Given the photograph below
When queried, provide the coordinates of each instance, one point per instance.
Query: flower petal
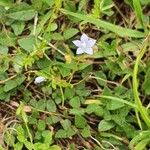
(77, 43)
(91, 43)
(79, 51)
(89, 51)
(84, 38)
(39, 80)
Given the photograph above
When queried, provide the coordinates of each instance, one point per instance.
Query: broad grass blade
(123, 32)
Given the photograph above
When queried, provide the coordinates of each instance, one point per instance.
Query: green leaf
(52, 27)
(27, 43)
(106, 4)
(18, 146)
(69, 33)
(57, 36)
(108, 49)
(70, 132)
(77, 111)
(53, 120)
(105, 125)
(94, 108)
(69, 93)
(2, 12)
(129, 46)
(38, 135)
(41, 104)
(21, 11)
(61, 134)
(70, 5)
(37, 4)
(2, 93)
(3, 50)
(19, 79)
(123, 32)
(80, 121)
(32, 120)
(29, 145)
(86, 132)
(18, 27)
(9, 139)
(11, 84)
(64, 133)
(51, 106)
(83, 92)
(21, 134)
(18, 62)
(113, 105)
(39, 146)
(82, 66)
(75, 102)
(49, 2)
(24, 116)
(101, 78)
(41, 125)
(6, 3)
(47, 137)
(66, 124)
(7, 39)
(54, 147)
(65, 68)
(4, 63)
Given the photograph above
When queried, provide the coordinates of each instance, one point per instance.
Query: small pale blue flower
(39, 79)
(84, 45)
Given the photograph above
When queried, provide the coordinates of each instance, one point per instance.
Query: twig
(3, 81)
(102, 147)
(35, 23)
(98, 78)
(51, 45)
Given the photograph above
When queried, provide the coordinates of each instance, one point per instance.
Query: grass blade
(141, 109)
(118, 100)
(142, 135)
(123, 32)
(138, 11)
